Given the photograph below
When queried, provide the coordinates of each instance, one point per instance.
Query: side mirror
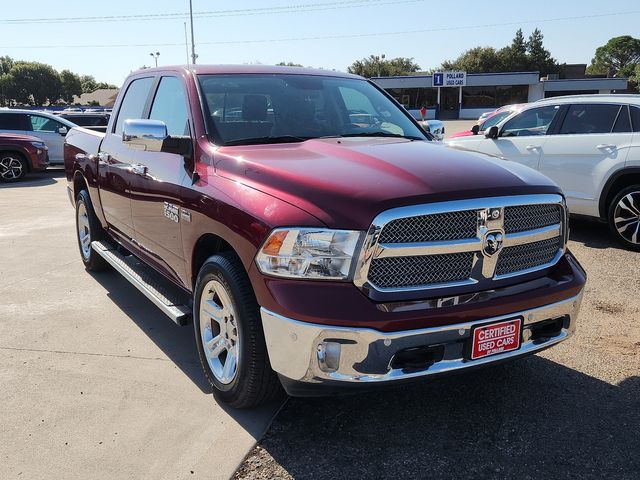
(492, 132)
(152, 136)
(63, 131)
(475, 129)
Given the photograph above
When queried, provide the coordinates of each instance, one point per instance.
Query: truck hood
(346, 182)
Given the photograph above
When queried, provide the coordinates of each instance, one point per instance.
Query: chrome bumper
(314, 353)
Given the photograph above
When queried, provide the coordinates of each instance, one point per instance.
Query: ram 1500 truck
(313, 250)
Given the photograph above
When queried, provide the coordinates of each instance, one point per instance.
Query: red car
(20, 154)
(492, 119)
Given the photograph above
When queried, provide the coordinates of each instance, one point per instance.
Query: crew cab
(311, 249)
(588, 144)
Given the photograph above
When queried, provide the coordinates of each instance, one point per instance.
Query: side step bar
(155, 287)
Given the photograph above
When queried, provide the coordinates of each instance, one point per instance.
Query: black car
(92, 120)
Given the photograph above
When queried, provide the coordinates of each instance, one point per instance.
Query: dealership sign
(450, 79)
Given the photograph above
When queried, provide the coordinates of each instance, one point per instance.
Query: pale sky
(270, 31)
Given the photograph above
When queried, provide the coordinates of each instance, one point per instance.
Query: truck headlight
(313, 253)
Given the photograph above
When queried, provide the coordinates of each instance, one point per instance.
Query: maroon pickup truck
(312, 250)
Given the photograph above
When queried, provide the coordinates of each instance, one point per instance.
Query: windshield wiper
(377, 134)
(265, 140)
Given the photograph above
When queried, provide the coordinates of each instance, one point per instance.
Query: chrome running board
(153, 285)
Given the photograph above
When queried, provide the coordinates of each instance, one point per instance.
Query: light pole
(155, 56)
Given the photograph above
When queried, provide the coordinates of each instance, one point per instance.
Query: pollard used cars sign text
(450, 79)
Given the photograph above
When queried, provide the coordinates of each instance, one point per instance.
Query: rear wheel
(12, 167)
(229, 335)
(624, 217)
(88, 229)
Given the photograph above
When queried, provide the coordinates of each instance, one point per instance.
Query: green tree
(540, 58)
(618, 57)
(476, 60)
(71, 85)
(6, 64)
(375, 66)
(514, 57)
(33, 83)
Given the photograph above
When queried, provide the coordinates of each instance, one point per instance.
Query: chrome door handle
(606, 146)
(139, 169)
(532, 147)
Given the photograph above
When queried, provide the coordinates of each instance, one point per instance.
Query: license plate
(496, 338)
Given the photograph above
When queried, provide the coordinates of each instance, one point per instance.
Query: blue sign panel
(438, 79)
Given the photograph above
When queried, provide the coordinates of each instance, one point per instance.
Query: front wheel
(12, 167)
(624, 217)
(229, 335)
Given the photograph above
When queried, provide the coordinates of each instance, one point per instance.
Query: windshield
(250, 109)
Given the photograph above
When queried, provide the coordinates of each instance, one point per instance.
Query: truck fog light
(329, 356)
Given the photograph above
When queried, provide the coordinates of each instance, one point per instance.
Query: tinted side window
(589, 118)
(170, 106)
(623, 122)
(44, 124)
(635, 118)
(12, 121)
(132, 106)
(534, 121)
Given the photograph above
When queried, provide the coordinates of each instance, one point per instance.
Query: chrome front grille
(398, 272)
(530, 217)
(431, 228)
(465, 242)
(526, 256)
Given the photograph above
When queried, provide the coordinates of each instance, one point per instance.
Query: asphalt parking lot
(96, 383)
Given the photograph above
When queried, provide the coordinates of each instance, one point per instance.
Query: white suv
(588, 144)
(49, 128)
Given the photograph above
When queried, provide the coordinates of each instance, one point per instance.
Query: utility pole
(193, 44)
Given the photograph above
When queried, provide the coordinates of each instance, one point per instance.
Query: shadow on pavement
(530, 419)
(592, 233)
(38, 179)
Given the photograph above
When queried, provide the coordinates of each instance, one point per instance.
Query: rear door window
(134, 101)
(623, 122)
(585, 118)
(13, 121)
(635, 118)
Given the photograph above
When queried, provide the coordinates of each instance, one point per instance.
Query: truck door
(155, 188)
(115, 160)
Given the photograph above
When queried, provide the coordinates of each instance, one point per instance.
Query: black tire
(13, 167)
(254, 382)
(91, 259)
(627, 231)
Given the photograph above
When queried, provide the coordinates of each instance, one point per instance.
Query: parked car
(588, 144)
(493, 119)
(19, 155)
(47, 127)
(92, 120)
(310, 251)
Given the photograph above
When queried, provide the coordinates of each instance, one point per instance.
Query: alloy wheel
(84, 230)
(626, 217)
(10, 168)
(219, 332)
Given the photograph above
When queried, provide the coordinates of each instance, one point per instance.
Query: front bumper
(322, 354)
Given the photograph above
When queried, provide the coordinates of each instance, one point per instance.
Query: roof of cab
(251, 69)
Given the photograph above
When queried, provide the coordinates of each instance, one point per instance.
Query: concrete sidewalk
(94, 381)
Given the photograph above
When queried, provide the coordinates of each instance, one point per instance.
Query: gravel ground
(571, 412)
